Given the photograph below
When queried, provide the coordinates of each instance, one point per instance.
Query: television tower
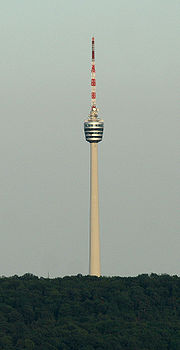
(93, 129)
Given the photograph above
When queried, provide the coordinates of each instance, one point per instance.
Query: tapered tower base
(94, 263)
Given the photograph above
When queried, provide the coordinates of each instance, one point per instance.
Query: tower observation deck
(93, 129)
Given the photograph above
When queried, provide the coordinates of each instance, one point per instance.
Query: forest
(87, 313)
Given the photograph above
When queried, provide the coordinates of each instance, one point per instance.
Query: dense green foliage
(86, 313)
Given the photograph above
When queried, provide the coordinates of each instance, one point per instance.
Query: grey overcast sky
(44, 159)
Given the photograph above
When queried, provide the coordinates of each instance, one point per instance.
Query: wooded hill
(87, 313)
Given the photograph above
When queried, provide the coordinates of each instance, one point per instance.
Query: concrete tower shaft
(94, 261)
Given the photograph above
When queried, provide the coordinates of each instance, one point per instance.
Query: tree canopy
(86, 313)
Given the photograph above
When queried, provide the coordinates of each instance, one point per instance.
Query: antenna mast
(94, 110)
(93, 77)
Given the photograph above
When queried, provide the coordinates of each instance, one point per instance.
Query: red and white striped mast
(94, 109)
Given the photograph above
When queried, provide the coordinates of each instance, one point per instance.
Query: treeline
(87, 313)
